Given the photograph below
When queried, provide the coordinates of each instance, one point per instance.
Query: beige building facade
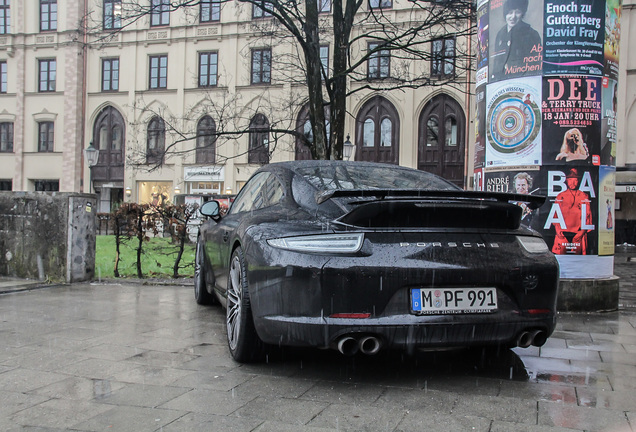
(154, 83)
(171, 80)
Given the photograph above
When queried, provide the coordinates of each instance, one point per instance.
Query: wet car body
(459, 256)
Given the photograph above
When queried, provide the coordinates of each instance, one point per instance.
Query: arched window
(258, 152)
(109, 138)
(441, 139)
(377, 132)
(303, 126)
(156, 144)
(206, 141)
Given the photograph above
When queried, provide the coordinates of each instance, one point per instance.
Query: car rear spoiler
(533, 201)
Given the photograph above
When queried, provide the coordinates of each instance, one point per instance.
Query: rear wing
(533, 201)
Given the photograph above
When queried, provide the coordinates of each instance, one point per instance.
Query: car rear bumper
(407, 332)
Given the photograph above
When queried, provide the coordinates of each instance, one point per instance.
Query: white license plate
(430, 301)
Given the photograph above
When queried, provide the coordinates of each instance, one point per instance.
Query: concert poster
(571, 120)
(612, 37)
(573, 37)
(523, 180)
(606, 218)
(569, 219)
(480, 120)
(608, 124)
(482, 36)
(513, 122)
(478, 176)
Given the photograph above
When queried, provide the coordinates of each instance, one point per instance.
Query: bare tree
(367, 36)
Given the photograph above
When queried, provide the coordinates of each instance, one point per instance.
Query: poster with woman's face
(515, 43)
(571, 111)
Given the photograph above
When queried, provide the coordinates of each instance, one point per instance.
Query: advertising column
(546, 120)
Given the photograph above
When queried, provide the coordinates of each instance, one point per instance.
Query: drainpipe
(467, 104)
(84, 95)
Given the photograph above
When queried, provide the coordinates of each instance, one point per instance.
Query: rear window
(366, 177)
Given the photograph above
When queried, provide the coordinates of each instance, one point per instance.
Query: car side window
(272, 191)
(251, 196)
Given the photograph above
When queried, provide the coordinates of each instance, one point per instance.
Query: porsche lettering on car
(362, 257)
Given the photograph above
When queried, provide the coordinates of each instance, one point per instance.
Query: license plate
(432, 301)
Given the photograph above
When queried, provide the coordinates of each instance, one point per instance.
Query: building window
(207, 69)
(258, 152)
(6, 137)
(377, 131)
(110, 74)
(261, 66)
(3, 76)
(5, 16)
(159, 13)
(210, 10)
(48, 15)
(260, 9)
(443, 58)
(109, 137)
(158, 72)
(324, 59)
(380, 4)
(6, 185)
(325, 6)
(206, 141)
(112, 14)
(47, 70)
(156, 140)
(379, 63)
(45, 137)
(303, 126)
(47, 185)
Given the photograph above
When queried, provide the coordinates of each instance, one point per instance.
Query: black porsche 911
(362, 257)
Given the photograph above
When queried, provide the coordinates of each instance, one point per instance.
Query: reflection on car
(362, 257)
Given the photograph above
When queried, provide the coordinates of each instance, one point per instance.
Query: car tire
(243, 341)
(201, 294)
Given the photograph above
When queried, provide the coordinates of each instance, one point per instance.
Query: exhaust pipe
(370, 345)
(539, 338)
(524, 340)
(348, 346)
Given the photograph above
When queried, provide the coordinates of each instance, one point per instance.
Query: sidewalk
(8, 285)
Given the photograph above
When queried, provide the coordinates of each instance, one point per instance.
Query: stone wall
(47, 236)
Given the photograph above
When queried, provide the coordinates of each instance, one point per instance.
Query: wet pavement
(132, 357)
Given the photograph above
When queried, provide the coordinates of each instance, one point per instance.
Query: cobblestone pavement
(132, 357)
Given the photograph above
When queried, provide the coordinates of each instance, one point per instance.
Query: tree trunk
(140, 240)
(320, 148)
(342, 24)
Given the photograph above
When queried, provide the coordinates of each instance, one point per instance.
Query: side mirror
(211, 209)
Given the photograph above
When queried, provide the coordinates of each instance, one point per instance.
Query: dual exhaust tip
(368, 345)
(533, 337)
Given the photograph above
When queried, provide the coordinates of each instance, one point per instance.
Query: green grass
(157, 261)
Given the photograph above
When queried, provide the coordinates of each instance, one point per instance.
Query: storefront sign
(204, 173)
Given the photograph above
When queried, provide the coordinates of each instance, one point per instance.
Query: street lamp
(347, 148)
(92, 155)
